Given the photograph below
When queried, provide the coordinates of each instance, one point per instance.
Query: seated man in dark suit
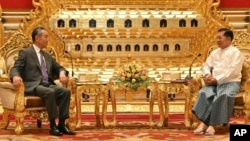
(36, 68)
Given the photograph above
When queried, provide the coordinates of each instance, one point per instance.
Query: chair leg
(39, 123)
(247, 116)
(19, 123)
(194, 122)
(5, 121)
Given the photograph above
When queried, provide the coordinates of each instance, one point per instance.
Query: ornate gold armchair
(13, 100)
(242, 99)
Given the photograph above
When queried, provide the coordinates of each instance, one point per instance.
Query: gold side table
(95, 89)
(164, 88)
(114, 89)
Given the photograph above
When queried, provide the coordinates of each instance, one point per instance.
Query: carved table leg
(151, 107)
(113, 103)
(78, 109)
(104, 109)
(97, 109)
(187, 121)
(165, 97)
(187, 111)
(160, 106)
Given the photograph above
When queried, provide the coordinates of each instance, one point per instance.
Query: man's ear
(67, 73)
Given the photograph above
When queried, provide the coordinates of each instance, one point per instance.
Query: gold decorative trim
(125, 3)
(133, 107)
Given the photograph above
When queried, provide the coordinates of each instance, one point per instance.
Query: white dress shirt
(37, 49)
(224, 64)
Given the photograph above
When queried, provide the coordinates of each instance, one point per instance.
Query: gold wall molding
(133, 107)
(200, 39)
(45, 9)
(124, 3)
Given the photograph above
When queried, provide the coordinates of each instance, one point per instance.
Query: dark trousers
(55, 97)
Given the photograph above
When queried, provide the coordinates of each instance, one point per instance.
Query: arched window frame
(92, 23)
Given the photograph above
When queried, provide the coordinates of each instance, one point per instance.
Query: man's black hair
(36, 32)
(227, 32)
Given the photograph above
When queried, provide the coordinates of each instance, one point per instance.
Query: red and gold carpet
(129, 128)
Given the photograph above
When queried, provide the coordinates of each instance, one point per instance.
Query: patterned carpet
(130, 129)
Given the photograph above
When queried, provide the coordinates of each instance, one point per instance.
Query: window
(182, 23)
(100, 48)
(109, 48)
(177, 47)
(194, 23)
(155, 47)
(92, 23)
(145, 23)
(127, 48)
(72, 23)
(137, 48)
(89, 47)
(60, 23)
(77, 47)
(128, 23)
(110, 23)
(118, 48)
(145, 47)
(163, 23)
(166, 47)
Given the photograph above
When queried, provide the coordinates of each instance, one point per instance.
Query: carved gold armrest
(247, 101)
(191, 91)
(19, 99)
(247, 93)
(71, 85)
(4, 78)
(192, 88)
(195, 84)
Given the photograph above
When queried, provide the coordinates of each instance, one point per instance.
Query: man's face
(222, 40)
(42, 39)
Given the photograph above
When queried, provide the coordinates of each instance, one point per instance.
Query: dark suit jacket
(28, 67)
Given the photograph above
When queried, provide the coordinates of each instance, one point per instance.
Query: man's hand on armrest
(17, 80)
(63, 78)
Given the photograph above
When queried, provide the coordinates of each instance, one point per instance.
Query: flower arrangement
(133, 75)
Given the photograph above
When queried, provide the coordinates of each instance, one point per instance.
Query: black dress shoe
(55, 132)
(65, 130)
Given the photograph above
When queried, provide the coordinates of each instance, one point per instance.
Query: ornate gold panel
(45, 10)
